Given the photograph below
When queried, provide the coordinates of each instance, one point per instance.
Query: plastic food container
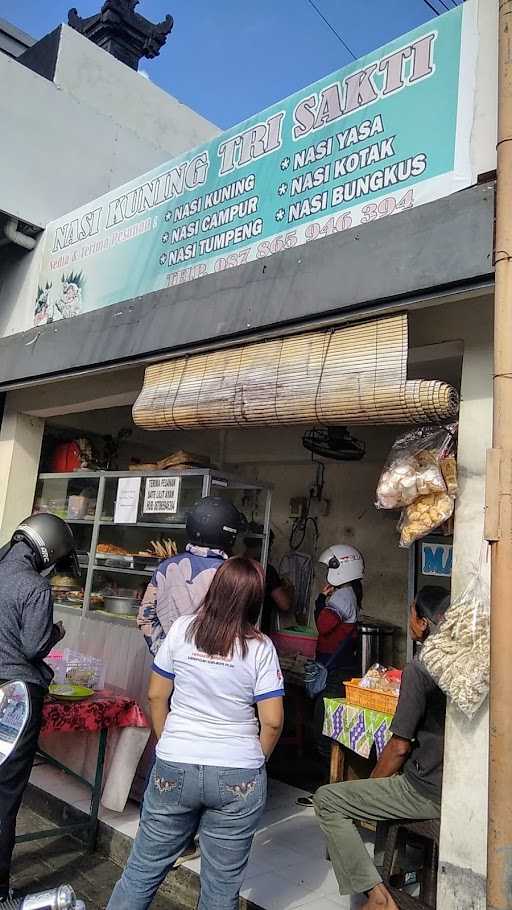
(300, 640)
(78, 507)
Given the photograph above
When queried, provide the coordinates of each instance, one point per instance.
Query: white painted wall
(65, 142)
(96, 79)
(96, 126)
(20, 446)
(464, 812)
(485, 123)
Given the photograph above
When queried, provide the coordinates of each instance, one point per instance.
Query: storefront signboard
(161, 495)
(380, 136)
(436, 559)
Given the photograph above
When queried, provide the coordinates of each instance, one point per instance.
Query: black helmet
(214, 522)
(50, 538)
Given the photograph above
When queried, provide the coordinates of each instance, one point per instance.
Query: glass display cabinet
(125, 523)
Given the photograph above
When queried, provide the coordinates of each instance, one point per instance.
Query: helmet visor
(68, 565)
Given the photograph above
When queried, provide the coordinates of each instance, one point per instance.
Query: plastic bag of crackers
(421, 463)
(425, 515)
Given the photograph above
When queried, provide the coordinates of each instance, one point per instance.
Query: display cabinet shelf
(127, 510)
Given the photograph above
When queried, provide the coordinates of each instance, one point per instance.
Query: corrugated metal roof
(13, 41)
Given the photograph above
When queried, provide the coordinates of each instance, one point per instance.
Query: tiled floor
(287, 869)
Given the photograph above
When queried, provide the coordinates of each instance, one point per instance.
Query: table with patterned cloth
(101, 711)
(354, 728)
(116, 725)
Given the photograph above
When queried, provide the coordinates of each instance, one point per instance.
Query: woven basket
(370, 698)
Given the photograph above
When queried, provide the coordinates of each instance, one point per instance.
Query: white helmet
(345, 564)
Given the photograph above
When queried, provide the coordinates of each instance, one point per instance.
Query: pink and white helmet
(344, 563)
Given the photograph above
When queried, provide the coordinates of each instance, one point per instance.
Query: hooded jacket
(27, 630)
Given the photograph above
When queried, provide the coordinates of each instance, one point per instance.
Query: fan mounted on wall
(334, 442)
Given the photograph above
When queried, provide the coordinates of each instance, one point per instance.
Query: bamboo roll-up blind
(352, 375)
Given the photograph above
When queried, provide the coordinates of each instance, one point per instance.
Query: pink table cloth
(102, 710)
(81, 723)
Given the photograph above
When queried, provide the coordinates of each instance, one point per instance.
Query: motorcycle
(14, 716)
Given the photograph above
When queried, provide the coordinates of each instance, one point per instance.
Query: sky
(229, 59)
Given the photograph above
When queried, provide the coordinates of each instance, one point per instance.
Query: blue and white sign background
(437, 559)
(386, 133)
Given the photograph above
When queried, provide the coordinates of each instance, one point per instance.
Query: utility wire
(333, 30)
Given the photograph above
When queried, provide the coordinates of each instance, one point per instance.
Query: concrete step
(181, 886)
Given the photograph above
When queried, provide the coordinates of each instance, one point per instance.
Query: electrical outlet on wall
(319, 508)
(298, 506)
(325, 507)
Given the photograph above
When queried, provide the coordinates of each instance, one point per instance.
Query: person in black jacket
(27, 635)
(279, 594)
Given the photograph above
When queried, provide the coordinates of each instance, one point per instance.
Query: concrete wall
(96, 126)
(464, 818)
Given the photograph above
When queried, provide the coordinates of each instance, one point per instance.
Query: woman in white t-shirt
(210, 773)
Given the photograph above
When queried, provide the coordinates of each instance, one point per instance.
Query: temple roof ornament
(122, 32)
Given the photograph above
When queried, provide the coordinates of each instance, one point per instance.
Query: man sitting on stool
(416, 748)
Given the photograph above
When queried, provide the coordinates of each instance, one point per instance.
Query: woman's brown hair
(231, 608)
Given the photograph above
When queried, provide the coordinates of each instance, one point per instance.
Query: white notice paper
(127, 500)
(161, 496)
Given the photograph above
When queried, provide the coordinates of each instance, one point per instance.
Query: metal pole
(499, 850)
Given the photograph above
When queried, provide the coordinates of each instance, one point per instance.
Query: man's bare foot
(380, 899)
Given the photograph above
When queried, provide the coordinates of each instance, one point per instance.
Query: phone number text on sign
(161, 495)
(316, 229)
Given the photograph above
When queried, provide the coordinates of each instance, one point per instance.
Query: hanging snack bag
(423, 516)
(457, 656)
(414, 467)
(449, 469)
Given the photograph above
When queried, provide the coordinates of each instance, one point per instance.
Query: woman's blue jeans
(224, 805)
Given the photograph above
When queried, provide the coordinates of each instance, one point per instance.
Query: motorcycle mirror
(14, 716)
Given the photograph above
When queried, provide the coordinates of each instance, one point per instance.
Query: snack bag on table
(382, 679)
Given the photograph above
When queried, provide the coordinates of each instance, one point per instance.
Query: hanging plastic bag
(415, 467)
(457, 656)
(423, 516)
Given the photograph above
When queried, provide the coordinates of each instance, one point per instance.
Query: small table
(354, 728)
(97, 714)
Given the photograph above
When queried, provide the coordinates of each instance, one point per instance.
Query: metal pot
(119, 603)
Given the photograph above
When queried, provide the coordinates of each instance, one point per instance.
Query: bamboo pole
(499, 847)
